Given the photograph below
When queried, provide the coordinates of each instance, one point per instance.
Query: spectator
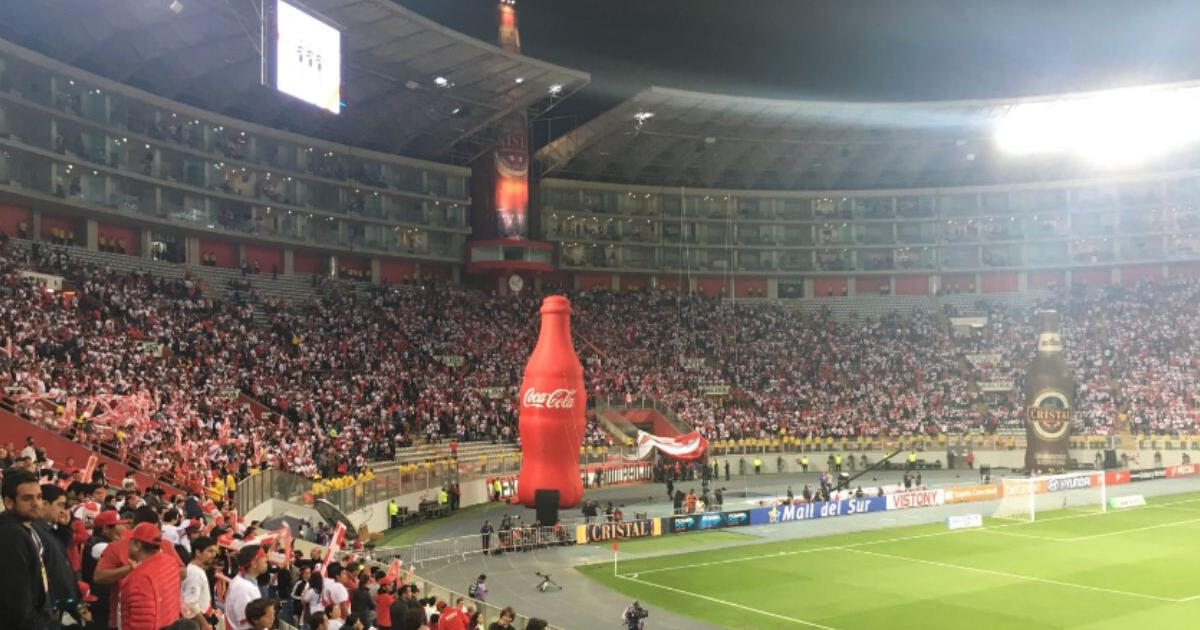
(384, 598)
(312, 595)
(243, 589)
(195, 590)
(507, 615)
(260, 614)
(150, 592)
(478, 590)
(26, 602)
(335, 594)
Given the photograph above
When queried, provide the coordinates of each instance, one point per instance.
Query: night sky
(869, 50)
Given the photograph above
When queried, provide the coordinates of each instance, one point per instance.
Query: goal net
(1026, 497)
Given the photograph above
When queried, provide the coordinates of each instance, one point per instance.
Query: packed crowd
(353, 375)
(80, 556)
(1133, 352)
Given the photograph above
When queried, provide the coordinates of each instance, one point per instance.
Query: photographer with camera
(635, 616)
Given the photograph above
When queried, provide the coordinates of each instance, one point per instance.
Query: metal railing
(458, 548)
(488, 612)
(391, 483)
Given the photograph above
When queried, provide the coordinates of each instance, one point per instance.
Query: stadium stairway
(294, 288)
(860, 307)
(432, 452)
(616, 424)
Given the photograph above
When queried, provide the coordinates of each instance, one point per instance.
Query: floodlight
(176, 6)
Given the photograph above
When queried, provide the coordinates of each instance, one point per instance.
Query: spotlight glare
(1112, 129)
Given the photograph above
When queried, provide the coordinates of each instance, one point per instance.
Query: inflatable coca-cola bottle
(552, 406)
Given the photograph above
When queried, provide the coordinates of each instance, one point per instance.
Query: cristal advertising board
(710, 520)
(624, 529)
(819, 509)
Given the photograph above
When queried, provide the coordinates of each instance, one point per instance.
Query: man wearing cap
(383, 602)
(451, 617)
(115, 562)
(150, 592)
(252, 562)
(107, 528)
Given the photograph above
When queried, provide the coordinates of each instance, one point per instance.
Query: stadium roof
(208, 56)
(669, 137)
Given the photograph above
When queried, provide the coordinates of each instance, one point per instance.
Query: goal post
(1025, 497)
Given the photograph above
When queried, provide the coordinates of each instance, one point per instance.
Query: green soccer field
(1132, 568)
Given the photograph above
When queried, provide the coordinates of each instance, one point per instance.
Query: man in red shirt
(383, 602)
(114, 563)
(150, 593)
(452, 618)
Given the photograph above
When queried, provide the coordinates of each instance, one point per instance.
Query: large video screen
(308, 57)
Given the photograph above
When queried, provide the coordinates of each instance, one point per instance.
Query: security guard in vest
(443, 497)
(912, 460)
(804, 463)
(393, 513)
(496, 489)
(757, 465)
(837, 463)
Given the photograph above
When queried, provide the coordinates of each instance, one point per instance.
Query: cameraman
(635, 616)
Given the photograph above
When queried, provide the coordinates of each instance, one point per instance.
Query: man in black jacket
(26, 600)
(64, 587)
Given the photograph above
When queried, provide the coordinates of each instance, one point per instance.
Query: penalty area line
(810, 624)
(1014, 576)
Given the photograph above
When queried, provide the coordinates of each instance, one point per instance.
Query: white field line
(1176, 509)
(1130, 531)
(899, 539)
(1015, 576)
(723, 602)
(997, 530)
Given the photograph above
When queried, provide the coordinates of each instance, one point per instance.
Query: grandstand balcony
(981, 239)
(82, 150)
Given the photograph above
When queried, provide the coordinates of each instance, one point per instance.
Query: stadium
(335, 314)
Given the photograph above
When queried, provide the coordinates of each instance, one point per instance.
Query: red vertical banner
(512, 177)
(511, 195)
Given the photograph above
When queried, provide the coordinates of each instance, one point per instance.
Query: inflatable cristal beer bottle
(552, 405)
(1049, 399)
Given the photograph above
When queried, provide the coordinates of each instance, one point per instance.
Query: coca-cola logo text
(561, 398)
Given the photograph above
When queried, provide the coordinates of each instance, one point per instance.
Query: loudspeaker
(1110, 459)
(546, 502)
